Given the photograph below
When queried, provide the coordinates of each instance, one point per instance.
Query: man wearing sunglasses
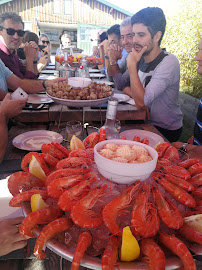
(11, 36)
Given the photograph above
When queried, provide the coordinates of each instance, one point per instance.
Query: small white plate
(46, 77)
(39, 99)
(94, 70)
(5, 197)
(96, 75)
(152, 137)
(121, 97)
(33, 140)
(50, 67)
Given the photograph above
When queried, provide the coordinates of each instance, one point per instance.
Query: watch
(113, 62)
(183, 148)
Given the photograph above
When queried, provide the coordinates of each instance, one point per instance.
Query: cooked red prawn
(162, 148)
(58, 186)
(91, 140)
(167, 211)
(81, 212)
(179, 194)
(71, 196)
(188, 163)
(42, 216)
(184, 184)
(144, 218)
(112, 209)
(84, 242)
(27, 159)
(52, 150)
(171, 153)
(195, 169)
(73, 162)
(110, 255)
(162, 163)
(26, 196)
(177, 171)
(190, 234)
(56, 226)
(197, 193)
(61, 148)
(65, 172)
(21, 180)
(196, 180)
(178, 248)
(154, 255)
(50, 160)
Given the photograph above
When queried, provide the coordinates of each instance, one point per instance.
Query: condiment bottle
(66, 70)
(83, 69)
(109, 126)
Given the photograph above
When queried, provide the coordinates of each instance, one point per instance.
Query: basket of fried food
(92, 95)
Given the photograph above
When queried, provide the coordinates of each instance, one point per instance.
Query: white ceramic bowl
(124, 173)
(79, 82)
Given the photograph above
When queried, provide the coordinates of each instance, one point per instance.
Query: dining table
(53, 117)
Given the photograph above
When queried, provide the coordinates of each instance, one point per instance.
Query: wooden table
(10, 164)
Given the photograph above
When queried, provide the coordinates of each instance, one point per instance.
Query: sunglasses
(45, 41)
(11, 31)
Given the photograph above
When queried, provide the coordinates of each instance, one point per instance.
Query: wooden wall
(83, 11)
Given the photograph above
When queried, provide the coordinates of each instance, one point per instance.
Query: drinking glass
(73, 128)
(118, 125)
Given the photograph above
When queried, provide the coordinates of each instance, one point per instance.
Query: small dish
(79, 81)
(39, 99)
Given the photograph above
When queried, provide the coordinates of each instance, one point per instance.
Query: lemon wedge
(37, 202)
(156, 147)
(76, 143)
(130, 249)
(36, 170)
(195, 222)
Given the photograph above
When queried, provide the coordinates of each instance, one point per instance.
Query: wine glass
(73, 128)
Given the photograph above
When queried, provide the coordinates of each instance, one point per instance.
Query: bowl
(124, 173)
(79, 82)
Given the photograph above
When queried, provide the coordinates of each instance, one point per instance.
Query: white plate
(104, 81)
(96, 75)
(50, 67)
(94, 70)
(39, 99)
(46, 77)
(5, 197)
(33, 140)
(46, 71)
(152, 137)
(121, 97)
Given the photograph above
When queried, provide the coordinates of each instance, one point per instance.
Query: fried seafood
(94, 91)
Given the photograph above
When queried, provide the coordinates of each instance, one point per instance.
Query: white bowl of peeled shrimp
(124, 161)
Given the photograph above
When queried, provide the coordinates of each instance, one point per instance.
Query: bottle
(83, 69)
(66, 70)
(59, 56)
(109, 126)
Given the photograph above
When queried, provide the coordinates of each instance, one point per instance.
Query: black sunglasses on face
(11, 31)
(45, 41)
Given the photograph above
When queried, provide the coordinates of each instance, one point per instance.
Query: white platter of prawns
(92, 211)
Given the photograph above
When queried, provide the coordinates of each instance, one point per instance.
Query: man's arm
(31, 51)
(114, 54)
(137, 90)
(30, 86)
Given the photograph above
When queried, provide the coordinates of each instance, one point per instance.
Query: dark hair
(103, 36)
(10, 16)
(153, 18)
(115, 29)
(31, 36)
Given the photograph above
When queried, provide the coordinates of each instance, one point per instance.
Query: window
(67, 7)
(56, 6)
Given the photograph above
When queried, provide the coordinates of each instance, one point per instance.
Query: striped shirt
(198, 126)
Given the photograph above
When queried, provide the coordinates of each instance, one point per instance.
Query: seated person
(65, 42)
(11, 36)
(46, 52)
(114, 54)
(196, 140)
(154, 74)
(11, 81)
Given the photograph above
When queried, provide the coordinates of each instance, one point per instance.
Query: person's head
(114, 34)
(31, 36)
(126, 34)
(199, 58)
(148, 27)
(44, 40)
(11, 30)
(66, 40)
(103, 36)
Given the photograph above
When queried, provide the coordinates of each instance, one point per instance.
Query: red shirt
(12, 61)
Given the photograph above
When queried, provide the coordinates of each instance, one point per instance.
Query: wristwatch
(113, 62)
(183, 148)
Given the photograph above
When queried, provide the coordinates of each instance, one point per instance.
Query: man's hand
(10, 238)
(49, 83)
(134, 57)
(10, 108)
(114, 52)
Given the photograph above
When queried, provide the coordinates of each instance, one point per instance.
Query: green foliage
(182, 36)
